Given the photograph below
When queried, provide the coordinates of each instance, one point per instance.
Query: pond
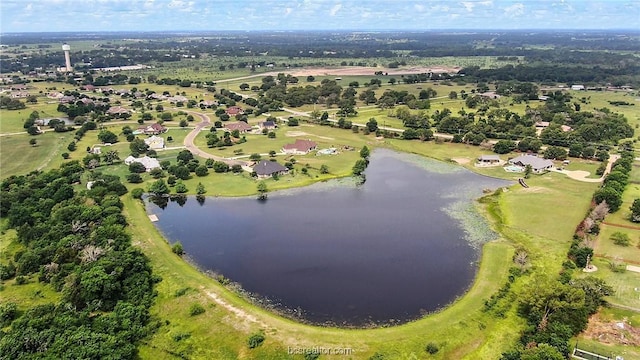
(404, 243)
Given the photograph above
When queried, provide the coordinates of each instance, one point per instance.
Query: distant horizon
(45, 16)
(203, 31)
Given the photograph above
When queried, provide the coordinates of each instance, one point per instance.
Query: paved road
(190, 138)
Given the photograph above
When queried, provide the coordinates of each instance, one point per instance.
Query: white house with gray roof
(538, 164)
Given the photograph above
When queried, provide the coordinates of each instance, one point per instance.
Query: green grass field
(18, 157)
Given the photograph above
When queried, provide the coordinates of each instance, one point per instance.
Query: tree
(527, 171)
(372, 125)
(635, 210)
(453, 95)
(184, 156)
(504, 146)
(262, 190)
(324, 169)
(184, 123)
(610, 195)
(255, 157)
(202, 170)
(107, 136)
(200, 189)
(159, 188)
(620, 238)
(555, 152)
(134, 178)
(364, 152)
(181, 188)
(111, 156)
(542, 352)
(33, 142)
(359, 167)
(136, 167)
(138, 146)
(220, 167)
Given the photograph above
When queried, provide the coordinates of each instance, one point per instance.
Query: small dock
(521, 181)
(153, 218)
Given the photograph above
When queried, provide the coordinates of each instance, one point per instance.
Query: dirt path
(581, 175)
(238, 312)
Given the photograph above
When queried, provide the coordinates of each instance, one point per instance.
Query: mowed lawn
(18, 157)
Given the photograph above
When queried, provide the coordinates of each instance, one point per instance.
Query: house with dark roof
(269, 125)
(234, 110)
(538, 164)
(241, 126)
(266, 169)
(300, 147)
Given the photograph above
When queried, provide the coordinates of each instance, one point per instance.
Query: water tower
(67, 59)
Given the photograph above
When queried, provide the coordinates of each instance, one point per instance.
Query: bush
(255, 340)
(21, 280)
(137, 193)
(181, 292)
(196, 309)
(432, 348)
(177, 248)
(620, 238)
(181, 336)
(617, 266)
(8, 312)
(65, 155)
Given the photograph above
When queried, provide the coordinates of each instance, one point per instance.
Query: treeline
(555, 73)
(77, 243)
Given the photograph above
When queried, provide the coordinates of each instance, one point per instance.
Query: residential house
(269, 125)
(177, 99)
(148, 162)
(154, 142)
(153, 129)
(19, 94)
(538, 164)
(241, 126)
(490, 95)
(118, 111)
(542, 124)
(266, 169)
(488, 160)
(300, 147)
(234, 110)
(577, 87)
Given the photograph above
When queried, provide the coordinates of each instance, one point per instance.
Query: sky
(178, 15)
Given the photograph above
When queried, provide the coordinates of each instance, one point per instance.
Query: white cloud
(468, 5)
(29, 7)
(287, 11)
(334, 10)
(514, 10)
(419, 8)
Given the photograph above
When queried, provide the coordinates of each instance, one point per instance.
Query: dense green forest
(77, 242)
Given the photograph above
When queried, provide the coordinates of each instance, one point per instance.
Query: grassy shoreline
(282, 332)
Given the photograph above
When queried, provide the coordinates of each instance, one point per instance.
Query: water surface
(388, 250)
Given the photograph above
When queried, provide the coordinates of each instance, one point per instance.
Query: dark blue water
(384, 251)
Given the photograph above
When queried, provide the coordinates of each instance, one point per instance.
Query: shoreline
(473, 238)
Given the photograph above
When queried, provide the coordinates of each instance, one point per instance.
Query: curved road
(191, 146)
